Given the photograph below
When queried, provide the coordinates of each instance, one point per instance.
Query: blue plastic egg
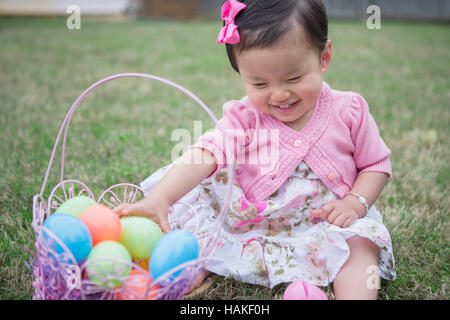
(72, 232)
(173, 249)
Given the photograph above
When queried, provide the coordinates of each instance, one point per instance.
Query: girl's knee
(363, 245)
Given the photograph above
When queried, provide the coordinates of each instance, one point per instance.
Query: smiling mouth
(286, 107)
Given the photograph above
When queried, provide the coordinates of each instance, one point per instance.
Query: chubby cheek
(259, 98)
(310, 90)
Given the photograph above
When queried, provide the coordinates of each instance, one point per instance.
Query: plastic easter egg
(138, 286)
(76, 206)
(108, 264)
(174, 248)
(102, 222)
(139, 236)
(74, 234)
(302, 290)
(143, 263)
(430, 137)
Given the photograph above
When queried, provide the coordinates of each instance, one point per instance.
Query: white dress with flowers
(277, 240)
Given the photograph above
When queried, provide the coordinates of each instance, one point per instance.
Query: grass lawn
(122, 130)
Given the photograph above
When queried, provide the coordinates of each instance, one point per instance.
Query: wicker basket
(58, 276)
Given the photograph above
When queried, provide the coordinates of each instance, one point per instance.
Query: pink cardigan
(340, 140)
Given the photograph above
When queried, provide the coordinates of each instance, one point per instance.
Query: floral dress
(277, 240)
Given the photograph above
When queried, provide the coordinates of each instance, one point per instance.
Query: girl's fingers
(322, 212)
(136, 210)
(318, 214)
(340, 220)
(140, 210)
(331, 218)
(165, 226)
(119, 208)
(327, 209)
(348, 222)
(124, 210)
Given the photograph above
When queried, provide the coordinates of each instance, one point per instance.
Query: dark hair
(264, 22)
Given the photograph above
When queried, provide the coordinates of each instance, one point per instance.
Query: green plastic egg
(76, 206)
(139, 236)
(108, 264)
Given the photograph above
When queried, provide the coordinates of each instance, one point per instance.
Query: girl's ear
(325, 57)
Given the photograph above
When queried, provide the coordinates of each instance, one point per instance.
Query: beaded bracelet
(361, 199)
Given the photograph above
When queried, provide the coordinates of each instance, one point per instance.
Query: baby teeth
(285, 106)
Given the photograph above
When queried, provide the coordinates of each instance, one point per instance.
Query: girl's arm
(370, 153)
(186, 173)
(369, 184)
(346, 211)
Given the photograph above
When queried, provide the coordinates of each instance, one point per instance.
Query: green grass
(121, 132)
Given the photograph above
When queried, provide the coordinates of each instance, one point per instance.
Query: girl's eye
(259, 85)
(295, 79)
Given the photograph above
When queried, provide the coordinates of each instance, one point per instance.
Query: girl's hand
(153, 208)
(342, 213)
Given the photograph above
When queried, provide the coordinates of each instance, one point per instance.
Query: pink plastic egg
(302, 290)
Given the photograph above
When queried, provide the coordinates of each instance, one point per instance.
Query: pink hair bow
(229, 33)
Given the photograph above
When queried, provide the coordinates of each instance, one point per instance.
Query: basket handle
(65, 124)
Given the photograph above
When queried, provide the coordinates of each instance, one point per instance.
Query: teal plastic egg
(72, 232)
(174, 248)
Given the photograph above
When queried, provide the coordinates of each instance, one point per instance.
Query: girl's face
(284, 81)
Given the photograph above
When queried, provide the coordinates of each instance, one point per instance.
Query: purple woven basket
(56, 274)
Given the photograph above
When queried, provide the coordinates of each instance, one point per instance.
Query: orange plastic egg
(136, 286)
(102, 222)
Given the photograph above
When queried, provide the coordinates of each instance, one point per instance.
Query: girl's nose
(280, 95)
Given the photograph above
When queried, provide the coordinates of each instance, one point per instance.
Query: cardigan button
(298, 143)
(331, 177)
